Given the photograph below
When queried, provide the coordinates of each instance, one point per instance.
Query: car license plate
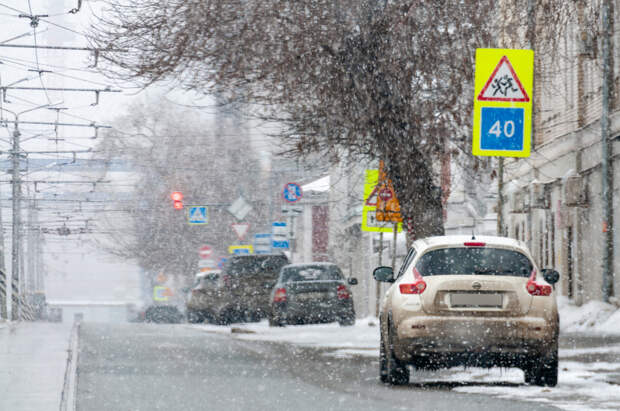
(474, 300)
(311, 296)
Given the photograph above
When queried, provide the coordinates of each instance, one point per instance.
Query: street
(143, 367)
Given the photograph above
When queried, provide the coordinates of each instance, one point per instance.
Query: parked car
(203, 294)
(241, 291)
(163, 314)
(312, 293)
(469, 301)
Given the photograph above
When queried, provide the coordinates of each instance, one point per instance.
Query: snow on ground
(583, 385)
(595, 317)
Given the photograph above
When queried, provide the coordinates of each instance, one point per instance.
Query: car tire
(347, 320)
(543, 371)
(396, 373)
(194, 317)
(275, 320)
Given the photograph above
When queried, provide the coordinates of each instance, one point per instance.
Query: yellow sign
(503, 102)
(161, 293)
(388, 207)
(369, 210)
(241, 249)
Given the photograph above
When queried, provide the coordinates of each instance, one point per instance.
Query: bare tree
(173, 149)
(373, 79)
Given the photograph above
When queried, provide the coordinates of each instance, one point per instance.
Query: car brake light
(474, 244)
(535, 288)
(343, 293)
(280, 295)
(417, 287)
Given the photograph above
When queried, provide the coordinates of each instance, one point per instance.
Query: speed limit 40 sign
(503, 102)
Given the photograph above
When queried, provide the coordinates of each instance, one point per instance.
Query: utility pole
(606, 162)
(14, 312)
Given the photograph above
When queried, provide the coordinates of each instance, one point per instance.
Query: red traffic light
(178, 205)
(176, 196)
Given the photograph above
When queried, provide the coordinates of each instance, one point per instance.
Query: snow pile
(593, 317)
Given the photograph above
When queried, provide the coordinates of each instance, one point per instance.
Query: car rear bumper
(313, 311)
(454, 334)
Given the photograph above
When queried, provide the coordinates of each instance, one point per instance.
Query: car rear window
(485, 261)
(256, 264)
(311, 273)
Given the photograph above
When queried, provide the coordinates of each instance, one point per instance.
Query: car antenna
(473, 236)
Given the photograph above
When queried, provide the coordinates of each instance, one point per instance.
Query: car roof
(459, 240)
(310, 264)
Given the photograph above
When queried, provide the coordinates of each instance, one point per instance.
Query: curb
(68, 398)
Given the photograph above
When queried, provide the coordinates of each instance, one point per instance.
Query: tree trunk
(418, 195)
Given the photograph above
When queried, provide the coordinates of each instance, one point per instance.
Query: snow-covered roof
(321, 185)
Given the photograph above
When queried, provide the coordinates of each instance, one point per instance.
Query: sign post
(503, 102)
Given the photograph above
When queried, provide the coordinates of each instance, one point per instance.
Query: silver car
(458, 300)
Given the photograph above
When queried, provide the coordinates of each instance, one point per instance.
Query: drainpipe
(607, 166)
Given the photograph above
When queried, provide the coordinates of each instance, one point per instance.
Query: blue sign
(292, 192)
(197, 215)
(262, 243)
(501, 128)
(220, 264)
(241, 251)
(279, 235)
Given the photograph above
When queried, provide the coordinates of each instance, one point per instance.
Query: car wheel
(224, 317)
(347, 320)
(543, 371)
(397, 372)
(194, 317)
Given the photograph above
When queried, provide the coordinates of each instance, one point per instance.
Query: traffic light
(177, 198)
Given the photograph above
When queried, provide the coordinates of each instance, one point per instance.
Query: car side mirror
(550, 275)
(384, 274)
(352, 280)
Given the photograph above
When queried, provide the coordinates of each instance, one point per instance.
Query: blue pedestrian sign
(197, 215)
(292, 192)
(501, 128)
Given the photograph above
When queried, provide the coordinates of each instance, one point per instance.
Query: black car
(312, 293)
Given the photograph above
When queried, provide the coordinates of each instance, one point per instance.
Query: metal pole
(500, 196)
(3, 279)
(394, 247)
(607, 166)
(14, 311)
(378, 284)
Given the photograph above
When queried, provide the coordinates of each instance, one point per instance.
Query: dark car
(312, 293)
(163, 314)
(241, 291)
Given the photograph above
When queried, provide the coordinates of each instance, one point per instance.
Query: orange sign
(388, 207)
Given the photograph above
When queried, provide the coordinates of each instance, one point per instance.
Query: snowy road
(180, 367)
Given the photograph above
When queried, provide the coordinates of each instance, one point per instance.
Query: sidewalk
(33, 358)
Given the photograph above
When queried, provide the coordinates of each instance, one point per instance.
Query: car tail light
(417, 287)
(474, 244)
(343, 293)
(535, 288)
(280, 295)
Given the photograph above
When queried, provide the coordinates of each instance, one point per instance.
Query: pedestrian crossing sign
(197, 215)
(503, 102)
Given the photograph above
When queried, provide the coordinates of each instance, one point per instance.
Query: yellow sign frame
(522, 62)
(369, 221)
(232, 248)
